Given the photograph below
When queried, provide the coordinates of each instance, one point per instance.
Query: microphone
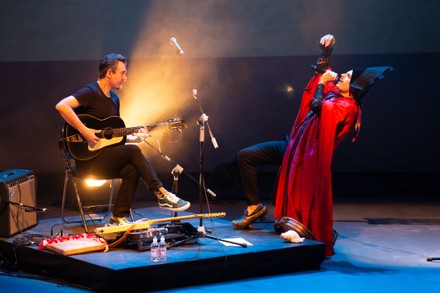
(23, 206)
(173, 42)
(319, 70)
(35, 209)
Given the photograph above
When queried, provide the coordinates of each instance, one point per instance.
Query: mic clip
(202, 119)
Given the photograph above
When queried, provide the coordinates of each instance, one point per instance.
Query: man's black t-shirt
(94, 102)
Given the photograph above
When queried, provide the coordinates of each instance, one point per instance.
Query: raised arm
(323, 63)
(322, 67)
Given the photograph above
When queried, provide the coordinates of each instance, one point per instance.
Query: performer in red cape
(329, 110)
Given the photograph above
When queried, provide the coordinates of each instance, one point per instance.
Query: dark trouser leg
(266, 153)
(126, 162)
(130, 179)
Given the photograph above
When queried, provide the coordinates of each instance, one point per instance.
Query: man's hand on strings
(139, 136)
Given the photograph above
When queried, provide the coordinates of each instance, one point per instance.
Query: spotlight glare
(95, 183)
(287, 90)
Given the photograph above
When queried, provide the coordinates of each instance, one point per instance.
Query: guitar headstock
(214, 215)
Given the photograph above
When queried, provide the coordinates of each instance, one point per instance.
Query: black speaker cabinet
(17, 190)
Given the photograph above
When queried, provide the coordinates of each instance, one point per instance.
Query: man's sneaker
(169, 201)
(117, 221)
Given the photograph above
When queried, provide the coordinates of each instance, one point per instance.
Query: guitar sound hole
(107, 133)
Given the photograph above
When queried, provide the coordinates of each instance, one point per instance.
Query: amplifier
(17, 190)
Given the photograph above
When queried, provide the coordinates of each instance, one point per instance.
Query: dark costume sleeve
(322, 64)
(317, 99)
(307, 98)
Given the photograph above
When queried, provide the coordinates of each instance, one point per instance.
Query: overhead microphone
(174, 43)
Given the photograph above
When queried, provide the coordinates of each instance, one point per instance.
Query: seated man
(119, 160)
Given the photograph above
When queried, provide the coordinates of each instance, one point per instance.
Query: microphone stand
(176, 171)
(203, 121)
(25, 207)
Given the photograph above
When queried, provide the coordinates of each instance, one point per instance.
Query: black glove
(323, 61)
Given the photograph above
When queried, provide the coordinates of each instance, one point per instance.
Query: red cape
(304, 188)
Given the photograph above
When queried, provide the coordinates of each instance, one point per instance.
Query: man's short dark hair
(110, 61)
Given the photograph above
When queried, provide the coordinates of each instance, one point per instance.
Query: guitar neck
(170, 219)
(118, 132)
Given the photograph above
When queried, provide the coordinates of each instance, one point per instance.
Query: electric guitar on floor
(113, 132)
(147, 224)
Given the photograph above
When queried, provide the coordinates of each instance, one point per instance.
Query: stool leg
(78, 199)
(131, 215)
(80, 206)
(63, 199)
(110, 201)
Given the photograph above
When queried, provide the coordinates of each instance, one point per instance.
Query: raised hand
(327, 40)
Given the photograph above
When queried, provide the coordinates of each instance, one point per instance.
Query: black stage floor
(128, 268)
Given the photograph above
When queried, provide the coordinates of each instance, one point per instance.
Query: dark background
(240, 55)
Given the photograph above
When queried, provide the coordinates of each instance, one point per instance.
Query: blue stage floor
(203, 260)
(384, 257)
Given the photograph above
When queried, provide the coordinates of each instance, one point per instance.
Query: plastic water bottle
(154, 250)
(162, 249)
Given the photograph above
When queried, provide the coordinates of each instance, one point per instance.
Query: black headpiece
(363, 78)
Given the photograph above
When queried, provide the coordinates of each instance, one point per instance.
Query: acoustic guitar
(113, 132)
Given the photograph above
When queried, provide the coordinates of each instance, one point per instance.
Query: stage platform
(128, 268)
